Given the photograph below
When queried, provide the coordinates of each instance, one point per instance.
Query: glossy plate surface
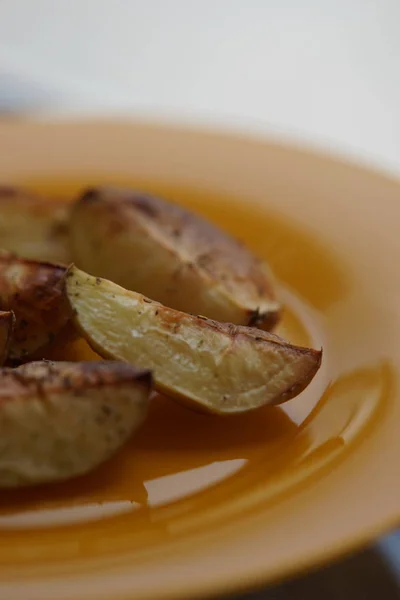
(199, 505)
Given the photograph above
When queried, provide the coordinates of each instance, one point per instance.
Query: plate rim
(213, 585)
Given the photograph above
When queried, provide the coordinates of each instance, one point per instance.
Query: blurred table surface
(323, 74)
(364, 576)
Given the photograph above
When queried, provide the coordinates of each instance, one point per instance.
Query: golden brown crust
(214, 252)
(35, 292)
(7, 325)
(172, 319)
(238, 286)
(45, 377)
(211, 366)
(60, 420)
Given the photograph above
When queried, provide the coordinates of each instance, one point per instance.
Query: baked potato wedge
(171, 255)
(35, 292)
(34, 227)
(210, 366)
(7, 324)
(60, 420)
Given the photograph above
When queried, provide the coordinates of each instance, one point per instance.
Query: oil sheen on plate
(184, 471)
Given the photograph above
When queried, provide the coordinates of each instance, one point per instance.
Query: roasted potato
(210, 366)
(35, 292)
(60, 420)
(34, 227)
(170, 255)
(7, 324)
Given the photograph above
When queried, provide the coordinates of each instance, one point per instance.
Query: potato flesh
(60, 420)
(171, 255)
(34, 227)
(215, 367)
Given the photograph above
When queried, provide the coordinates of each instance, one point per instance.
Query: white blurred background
(324, 72)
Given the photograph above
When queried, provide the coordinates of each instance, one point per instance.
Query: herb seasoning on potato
(35, 292)
(60, 420)
(210, 366)
(171, 255)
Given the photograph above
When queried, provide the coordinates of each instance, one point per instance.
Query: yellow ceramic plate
(197, 505)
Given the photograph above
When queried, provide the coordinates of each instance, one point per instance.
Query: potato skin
(35, 292)
(60, 420)
(210, 366)
(34, 227)
(7, 325)
(171, 255)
